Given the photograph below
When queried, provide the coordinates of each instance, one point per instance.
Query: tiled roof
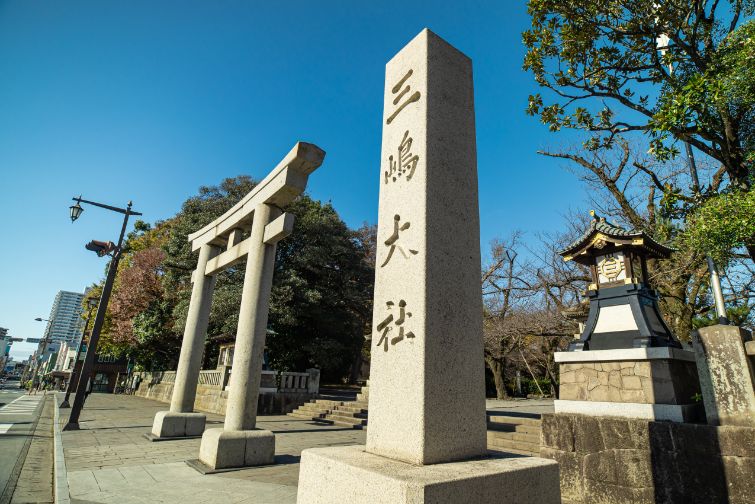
(601, 225)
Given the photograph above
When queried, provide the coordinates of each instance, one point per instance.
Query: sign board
(33, 340)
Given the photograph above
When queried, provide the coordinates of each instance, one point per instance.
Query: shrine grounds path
(109, 460)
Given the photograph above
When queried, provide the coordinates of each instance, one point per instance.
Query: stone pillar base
(350, 474)
(222, 449)
(170, 425)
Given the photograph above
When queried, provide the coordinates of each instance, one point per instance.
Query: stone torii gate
(220, 246)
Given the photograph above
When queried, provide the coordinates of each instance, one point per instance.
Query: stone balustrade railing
(208, 377)
(272, 381)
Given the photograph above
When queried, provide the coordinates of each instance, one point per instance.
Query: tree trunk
(751, 251)
(534, 378)
(497, 367)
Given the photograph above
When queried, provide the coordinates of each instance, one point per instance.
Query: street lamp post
(44, 343)
(102, 249)
(75, 371)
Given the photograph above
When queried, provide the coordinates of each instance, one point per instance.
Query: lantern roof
(602, 233)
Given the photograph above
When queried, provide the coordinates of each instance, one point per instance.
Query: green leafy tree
(637, 78)
(320, 301)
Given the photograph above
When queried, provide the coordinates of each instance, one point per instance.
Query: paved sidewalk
(519, 406)
(108, 460)
(35, 483)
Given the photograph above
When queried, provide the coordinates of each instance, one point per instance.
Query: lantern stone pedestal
(656, 383)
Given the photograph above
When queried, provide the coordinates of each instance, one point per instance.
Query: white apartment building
(65, 322)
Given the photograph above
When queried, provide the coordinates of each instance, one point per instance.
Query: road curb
(60, 475)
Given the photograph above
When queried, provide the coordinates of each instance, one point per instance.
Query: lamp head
(76, 210)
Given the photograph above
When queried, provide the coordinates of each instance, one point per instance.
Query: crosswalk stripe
(5, 427)
(20, 405)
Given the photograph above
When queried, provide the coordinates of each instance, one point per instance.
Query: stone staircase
(514, 434)
(511, 433)
(342, 413)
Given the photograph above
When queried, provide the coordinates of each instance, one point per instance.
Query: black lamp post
(91, 304)
(102, 249)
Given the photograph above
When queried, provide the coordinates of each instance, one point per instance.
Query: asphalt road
(18, 415)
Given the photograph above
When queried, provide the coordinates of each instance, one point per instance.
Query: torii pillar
(259, 214)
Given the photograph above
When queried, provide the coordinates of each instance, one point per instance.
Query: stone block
(195, 424)
(570, 472)
(349, 474)
(598, 492)
(557, 432)
(587, 436)
(168, 424)
(601, 466)
(740, 478)
(221, 449)
(633, 396)
(631, 383)
(736, 441)
(615, 432)
(636, 469)
(726, 376)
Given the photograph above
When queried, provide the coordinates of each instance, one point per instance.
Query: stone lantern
(623, 307)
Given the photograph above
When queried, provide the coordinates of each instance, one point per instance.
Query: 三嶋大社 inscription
(385, 327)
(400, 166)
(401, 91)
(404, 163)
(394, 243)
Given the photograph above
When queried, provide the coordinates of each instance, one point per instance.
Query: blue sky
(147, 100)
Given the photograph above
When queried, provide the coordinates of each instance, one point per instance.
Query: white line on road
(5, 427)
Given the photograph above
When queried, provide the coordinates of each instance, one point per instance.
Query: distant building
(4, 348)
(65, 322)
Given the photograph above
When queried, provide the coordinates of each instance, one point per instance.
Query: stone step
(351, 409)
(515, 451)
(325, 402)
(507, 444)
(316, 407)
(515, 420)
(347, 418)
(328, 421)
(308, 411)
(303, 416)
(507, 427)
(362, 397)
(516, 436)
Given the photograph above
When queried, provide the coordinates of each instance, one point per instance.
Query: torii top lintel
(281, 186)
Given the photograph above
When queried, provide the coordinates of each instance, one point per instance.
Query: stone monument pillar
(426, 440)
(181, 422)
(727, 379)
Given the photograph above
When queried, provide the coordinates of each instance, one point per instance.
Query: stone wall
(646, 381)
(212, 400)
(617, 460)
